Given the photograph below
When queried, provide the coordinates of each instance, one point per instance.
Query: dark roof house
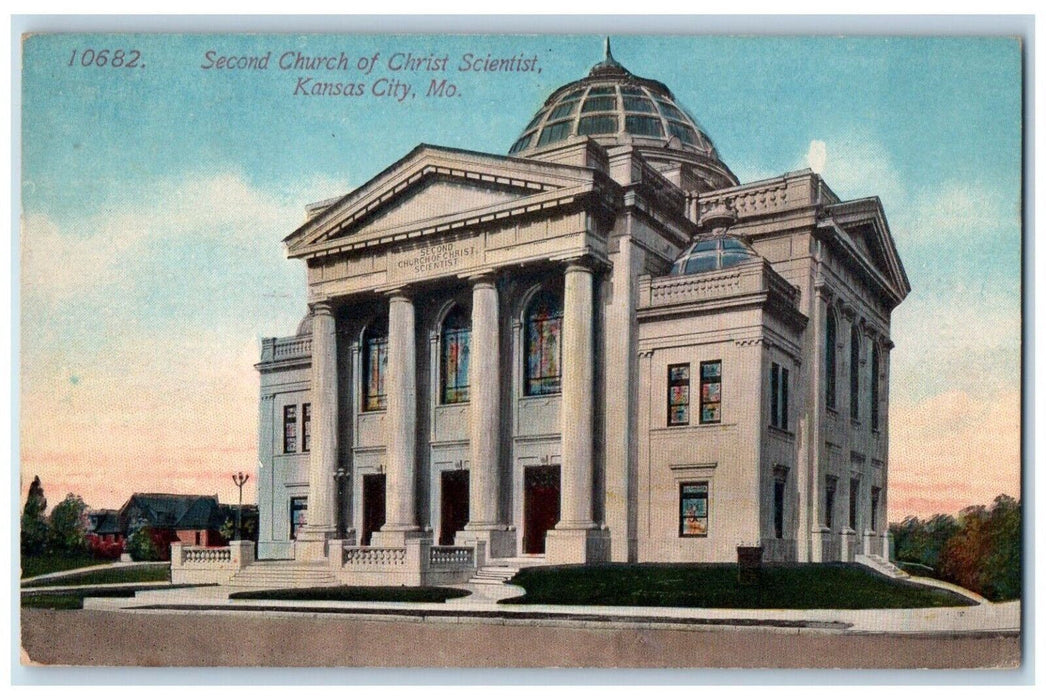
(165, 511)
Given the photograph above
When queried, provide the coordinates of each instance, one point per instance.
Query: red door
(540, 506)
(373, 506)
(453, 504)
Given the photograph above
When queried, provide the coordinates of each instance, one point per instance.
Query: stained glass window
(693, 509)
(830, 485)
(679, 394)
(306, 426)
(855, 372)
(290, 428)
(855, 488)
(711, 391)
(375, 362)
(543, 340)
(829, 361)
(874, 385)
(454, 356)
(778, 396)
(299, 510)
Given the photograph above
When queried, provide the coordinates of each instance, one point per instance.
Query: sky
(155, 197)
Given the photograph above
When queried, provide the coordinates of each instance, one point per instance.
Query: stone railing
(205, 555)
(190, 564)
(374, 556)
(287, 348)
(452, 557)
(417, 563)
(750, 278)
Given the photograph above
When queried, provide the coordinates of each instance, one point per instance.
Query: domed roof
(716, 252)
(613, 106)
(305, 326)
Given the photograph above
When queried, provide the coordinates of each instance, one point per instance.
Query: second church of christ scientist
(600, 346)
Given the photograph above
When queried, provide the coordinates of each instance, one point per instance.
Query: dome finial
(607, 56)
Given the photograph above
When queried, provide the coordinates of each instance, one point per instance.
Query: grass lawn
(49, 563)
(71, 601)
(793, 586)
(115, 575)
(375, 594)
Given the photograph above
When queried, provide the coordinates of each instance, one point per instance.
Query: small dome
(710, 253)
(305, 327)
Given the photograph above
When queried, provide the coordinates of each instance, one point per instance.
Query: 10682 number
(112, 58)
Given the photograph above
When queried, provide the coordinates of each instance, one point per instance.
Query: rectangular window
(693, 509)
(855, 487)
(711, 391)
(830, 485)
(306, 426)
(679, 394)
(290, 429)
(779, 507)
(299, 510)
(778, 396)
(875, 509)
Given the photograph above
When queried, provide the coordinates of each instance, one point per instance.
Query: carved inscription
(435, 260)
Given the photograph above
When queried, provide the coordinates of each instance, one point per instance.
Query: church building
(600, 346)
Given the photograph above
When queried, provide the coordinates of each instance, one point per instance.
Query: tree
(141, 544)
(68, 525)
(34, 524)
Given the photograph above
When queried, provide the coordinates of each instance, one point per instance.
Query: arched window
(543, 340)
(375, 362)
(454, 356)
(829, 360)
(855, 371)
(874, 387)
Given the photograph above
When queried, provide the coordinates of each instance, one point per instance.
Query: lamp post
(239, 478)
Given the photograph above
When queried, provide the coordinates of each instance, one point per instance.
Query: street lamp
(239, 478)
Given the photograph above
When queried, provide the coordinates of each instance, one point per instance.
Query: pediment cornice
(517, 188)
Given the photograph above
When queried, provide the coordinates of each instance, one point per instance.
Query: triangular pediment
(861, 225)
(434, 189)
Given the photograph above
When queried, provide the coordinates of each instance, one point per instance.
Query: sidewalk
(482, 608)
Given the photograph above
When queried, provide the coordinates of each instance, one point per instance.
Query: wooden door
(540, 506)
(373, 506)
(453, 504)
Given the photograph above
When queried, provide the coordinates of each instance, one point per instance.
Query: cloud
(855, 166)
(140, 331)
(952, 450)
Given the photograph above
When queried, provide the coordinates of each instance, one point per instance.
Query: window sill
(784, 432)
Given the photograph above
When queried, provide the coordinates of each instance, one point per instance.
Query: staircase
(283, 574)
(498, 572)
(883, 566)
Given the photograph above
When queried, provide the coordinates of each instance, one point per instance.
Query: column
(323, 455)
(485, 422)
(575, 538)
(400, 424)
(576, 474)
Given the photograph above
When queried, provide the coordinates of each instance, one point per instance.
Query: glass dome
(713, 253)
(613, 105)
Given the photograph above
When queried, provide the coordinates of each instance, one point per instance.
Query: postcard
(520, 351)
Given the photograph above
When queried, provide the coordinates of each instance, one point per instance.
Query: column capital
(400, 293)
(484, 277)
(582, 263)
(321, 307)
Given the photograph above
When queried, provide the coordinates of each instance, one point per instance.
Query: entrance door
(373, 506)
(453, 504)
(540, 506)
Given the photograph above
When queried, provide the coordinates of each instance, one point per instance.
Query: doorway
(453, 504)
(373, 506)
(540, 506)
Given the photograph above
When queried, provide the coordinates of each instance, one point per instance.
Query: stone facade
(501, 354)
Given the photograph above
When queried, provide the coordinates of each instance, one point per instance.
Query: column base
(398, 536)
(577, 546)
(311, 544)
(500, 539)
